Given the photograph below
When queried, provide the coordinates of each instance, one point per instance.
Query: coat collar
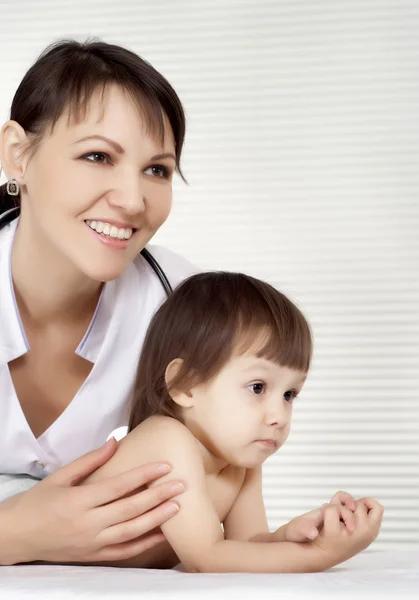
(13, 340)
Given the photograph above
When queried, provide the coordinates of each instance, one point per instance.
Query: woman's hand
(58, 520)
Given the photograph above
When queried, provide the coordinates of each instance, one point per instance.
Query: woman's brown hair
(206, 319)
(68, 73)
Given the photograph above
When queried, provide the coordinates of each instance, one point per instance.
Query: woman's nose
(128, 194)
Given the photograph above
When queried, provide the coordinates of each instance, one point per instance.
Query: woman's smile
(112, 234)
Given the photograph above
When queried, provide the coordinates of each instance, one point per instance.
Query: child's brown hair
(204, 321)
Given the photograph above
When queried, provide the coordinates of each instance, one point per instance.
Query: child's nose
(277, 416)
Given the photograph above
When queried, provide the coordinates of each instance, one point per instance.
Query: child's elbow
(211, 560)
(200, 568)
(191, 568)
(198, 565)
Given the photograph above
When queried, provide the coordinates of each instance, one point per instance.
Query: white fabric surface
(10, 485)
(388, 574)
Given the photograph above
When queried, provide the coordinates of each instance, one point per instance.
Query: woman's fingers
(118, 486)
(59, 521)
(130, 549)
(79, 469)
(135, 528)
(137, 504)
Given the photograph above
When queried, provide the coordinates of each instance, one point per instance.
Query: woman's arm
(12, 549)
(58, 520)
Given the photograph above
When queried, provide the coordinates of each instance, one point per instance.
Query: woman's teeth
(110, 230)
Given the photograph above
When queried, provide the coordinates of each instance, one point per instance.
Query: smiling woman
(104, 168)
(94, 138)
(93, 141)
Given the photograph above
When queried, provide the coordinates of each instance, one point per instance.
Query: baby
(224, 359)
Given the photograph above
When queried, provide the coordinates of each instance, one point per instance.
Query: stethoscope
(12, 213)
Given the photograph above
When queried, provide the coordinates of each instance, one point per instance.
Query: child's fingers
(306, 527)
(345, 499)
(315, 517)
(374, 509)
(348, 517)
(371, 503)
(332, 525)
(361, 514)
(308, 531)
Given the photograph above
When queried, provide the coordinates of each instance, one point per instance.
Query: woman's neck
(49, 289)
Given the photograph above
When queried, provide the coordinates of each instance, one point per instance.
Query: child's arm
(195, 532)
(247, 518)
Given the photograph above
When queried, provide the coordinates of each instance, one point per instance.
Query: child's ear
(182, 398)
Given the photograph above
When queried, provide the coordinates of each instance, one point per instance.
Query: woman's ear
(13, 141)
(181, 397)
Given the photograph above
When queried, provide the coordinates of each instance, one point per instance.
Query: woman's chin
(104, 273)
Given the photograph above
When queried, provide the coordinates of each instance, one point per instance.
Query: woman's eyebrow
(119, 149)
(164, 155)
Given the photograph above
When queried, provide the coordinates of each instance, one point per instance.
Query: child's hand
(337, 543)
(344, 499)
(306, 527)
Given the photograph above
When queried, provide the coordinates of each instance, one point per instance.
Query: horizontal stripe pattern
(302, 159)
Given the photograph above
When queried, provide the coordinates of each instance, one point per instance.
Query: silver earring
(12, 188)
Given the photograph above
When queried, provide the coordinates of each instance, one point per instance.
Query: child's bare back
(146, 444)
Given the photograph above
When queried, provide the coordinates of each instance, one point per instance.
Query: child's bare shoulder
(164, 439)
(161, 433)
(162, 425)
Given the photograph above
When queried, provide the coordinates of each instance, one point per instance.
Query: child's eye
(257, 388)
(98, 157)
(290, 395)
(159, 171)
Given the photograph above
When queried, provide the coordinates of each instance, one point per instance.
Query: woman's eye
(257, 388)
(98, 157)
(158, 171)
(290, 395)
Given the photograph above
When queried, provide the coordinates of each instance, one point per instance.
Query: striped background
(302, 160)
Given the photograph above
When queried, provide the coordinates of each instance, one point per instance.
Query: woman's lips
(111, 242)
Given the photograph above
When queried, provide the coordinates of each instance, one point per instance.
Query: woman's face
(95, 201)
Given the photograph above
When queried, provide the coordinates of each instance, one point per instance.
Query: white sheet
(10, 485)
(372, 574)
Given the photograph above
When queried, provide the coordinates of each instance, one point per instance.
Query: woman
(94, 138)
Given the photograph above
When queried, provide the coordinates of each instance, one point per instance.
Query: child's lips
(268, 443)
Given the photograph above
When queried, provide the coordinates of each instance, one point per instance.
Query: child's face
(243, 415)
